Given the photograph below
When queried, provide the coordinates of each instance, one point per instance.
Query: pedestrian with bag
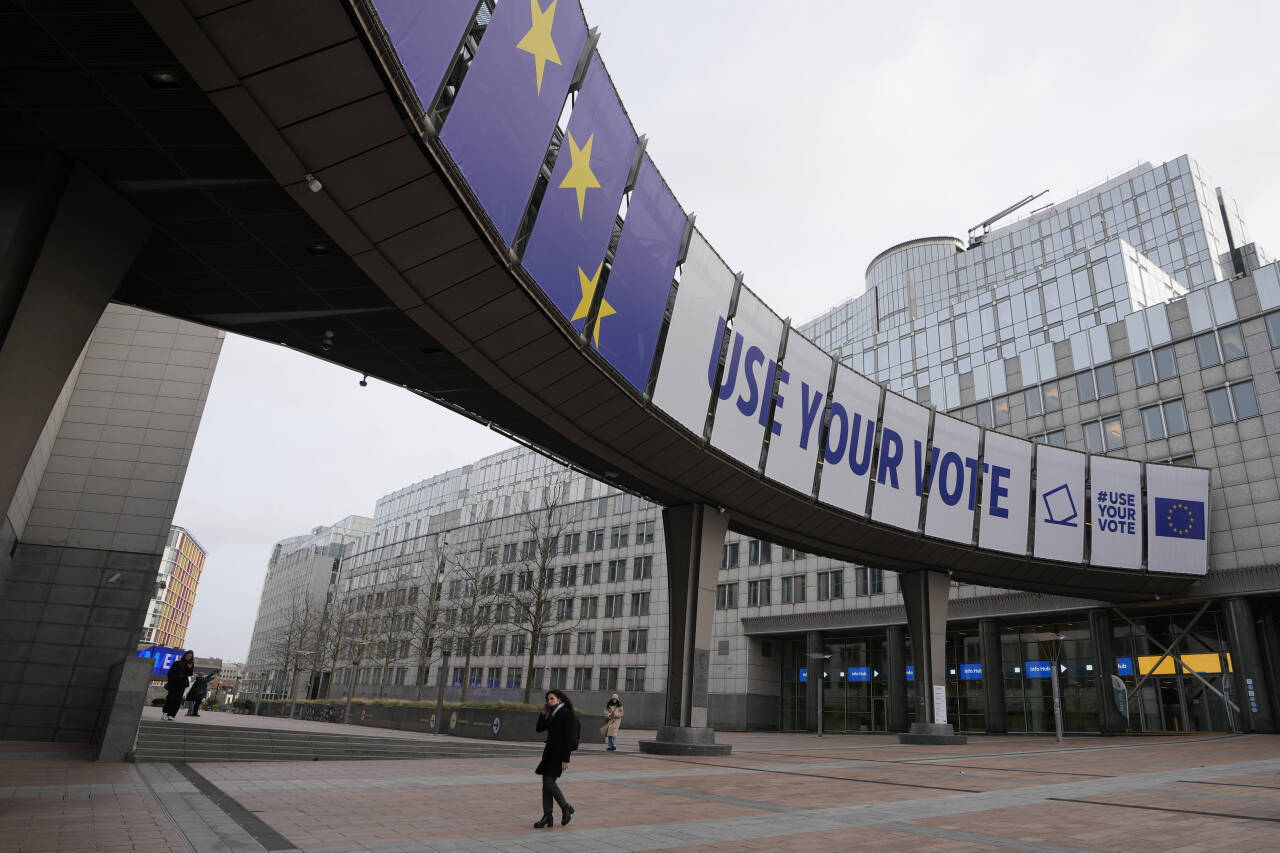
(612, 722)
(176, 684)
(560, 722)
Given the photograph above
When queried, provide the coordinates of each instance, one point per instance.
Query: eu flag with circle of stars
(500, 125)
(566, 249)
(1179, 518)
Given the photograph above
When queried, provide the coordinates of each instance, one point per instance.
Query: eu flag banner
(1177, 519)
(640, 281)
(566, 250)
(498, 129)
(426, 35)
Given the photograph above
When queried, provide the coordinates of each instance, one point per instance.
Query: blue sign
(162, 657)
(859, 673)
(1124, 666)
(970, 672)
(911, 673)
(804, 673)
(1038, 669)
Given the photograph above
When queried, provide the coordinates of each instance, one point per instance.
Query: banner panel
(566, 249)
(696, 331)
(746, 385)
(500, 125)
(640, 281)
(1006, 493)
(900, 464)
(795, 436)
(851, 436)
(426, 35)
(1115, 534)
(1177, 519)
(1059, 504)
(952, 480)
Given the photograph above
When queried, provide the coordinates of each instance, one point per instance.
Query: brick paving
(791, 791)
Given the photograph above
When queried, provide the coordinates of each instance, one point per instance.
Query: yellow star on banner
(580, 177)
(538, 40)
(588, 286)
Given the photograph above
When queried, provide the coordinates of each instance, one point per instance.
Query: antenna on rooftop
(985, 225)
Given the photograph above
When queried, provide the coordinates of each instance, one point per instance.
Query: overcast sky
(807, 138)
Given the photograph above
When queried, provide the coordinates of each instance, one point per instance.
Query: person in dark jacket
(557, 720)
(176, 684)
(199, 690)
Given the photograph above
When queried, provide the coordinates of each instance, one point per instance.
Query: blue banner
(426, 35)
(566, 249)
(162, 657)
(911, 673)
(1124, 666)
(970, 672)
(500, 125)
(804, 673)
(640, 281)
(859, 673)
(1038, 669)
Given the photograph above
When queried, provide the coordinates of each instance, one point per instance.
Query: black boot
(548, 819)
(566, 814)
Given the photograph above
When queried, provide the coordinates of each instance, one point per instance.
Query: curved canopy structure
(456, 201)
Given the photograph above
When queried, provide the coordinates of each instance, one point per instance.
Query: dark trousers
(172, 702)
(551, 791)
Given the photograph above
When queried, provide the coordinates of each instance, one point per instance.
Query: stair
(187, 742)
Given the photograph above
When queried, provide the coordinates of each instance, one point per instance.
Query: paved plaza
(776, 791)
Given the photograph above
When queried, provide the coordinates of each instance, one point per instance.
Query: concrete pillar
(813, 646)
(925, 595)
(895, 662)
(1269, 639)
(694, 537)
(1250, 682)
(66, 242)
(1102, 635)
(997, 716)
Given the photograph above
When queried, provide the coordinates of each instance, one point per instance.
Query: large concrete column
(66, 241)
(925, 595)
(813, 656)
(694, 537)
(1101, 633)
(1269, 641)
(997, 716)
(1250, 682)
(895, 662)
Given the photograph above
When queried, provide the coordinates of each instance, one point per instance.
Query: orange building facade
(176, 585)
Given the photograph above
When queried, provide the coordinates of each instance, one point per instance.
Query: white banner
(1116, 512)
(952, 481)
(1059, 504)
(851, 436)
(1006, 493)
(746, 386)
(702, 300)
(797, 415)
(900, 464)
(1177, 519)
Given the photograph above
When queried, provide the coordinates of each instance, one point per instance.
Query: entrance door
(1172, 715)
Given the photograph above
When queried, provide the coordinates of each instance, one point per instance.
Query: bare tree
(332, 638)
(472, 591)
(531, 603)
(289, 644)
(425, 615)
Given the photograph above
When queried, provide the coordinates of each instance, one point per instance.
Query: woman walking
(557, 720)
(612, 721)
(176, 684)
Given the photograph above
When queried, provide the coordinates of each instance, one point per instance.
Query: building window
(1163, 420)
(536, 680)
(1106, 434)
(1105, 378)
(635, 679)
(618, 536)
(589, 608)
(572, 542)
(642, 568)
(758, 552)
(1057, 438)
(510, 552)
(595, 540)
(759, 593)
(608, 678)
(610, 642)
(1232, 342)
(729, 556)
(644, 533)
(586, 642)
(1052, 398)
(830, 585)
(639, 604)
(582, 678)
(513, 677)
(612, 606)
(793, 589)
(870, 581)
(1086, 391)
(1031, 401)
(1000, 408)
(519, 644)
(564, 608)
(568, 576)
(617, 570)
(1232, 403)
(1207, 350)
(541, 647)
(638, 641)
(590, 573)
(983, 414)
(477, 676)
(495, 677)
(726, 596)
(499, 645)
(560, 643)
(1273, 328)
(559, 678)
(456, 680)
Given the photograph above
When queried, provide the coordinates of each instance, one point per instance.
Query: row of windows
(557, 677)
(795, 588)
(757, 552)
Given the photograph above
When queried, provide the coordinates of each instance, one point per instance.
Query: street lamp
(440, 682)
(1053, 680)
(351, 688)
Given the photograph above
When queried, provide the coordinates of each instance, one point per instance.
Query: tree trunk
(466, 675)
(528, 675)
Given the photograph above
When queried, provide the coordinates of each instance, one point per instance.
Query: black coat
(200, 688)
(179, 675)
(559, 729)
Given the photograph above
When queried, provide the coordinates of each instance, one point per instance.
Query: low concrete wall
(118, 722)
(507, 724)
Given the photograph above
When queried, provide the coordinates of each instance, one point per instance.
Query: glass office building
(1137, 318)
